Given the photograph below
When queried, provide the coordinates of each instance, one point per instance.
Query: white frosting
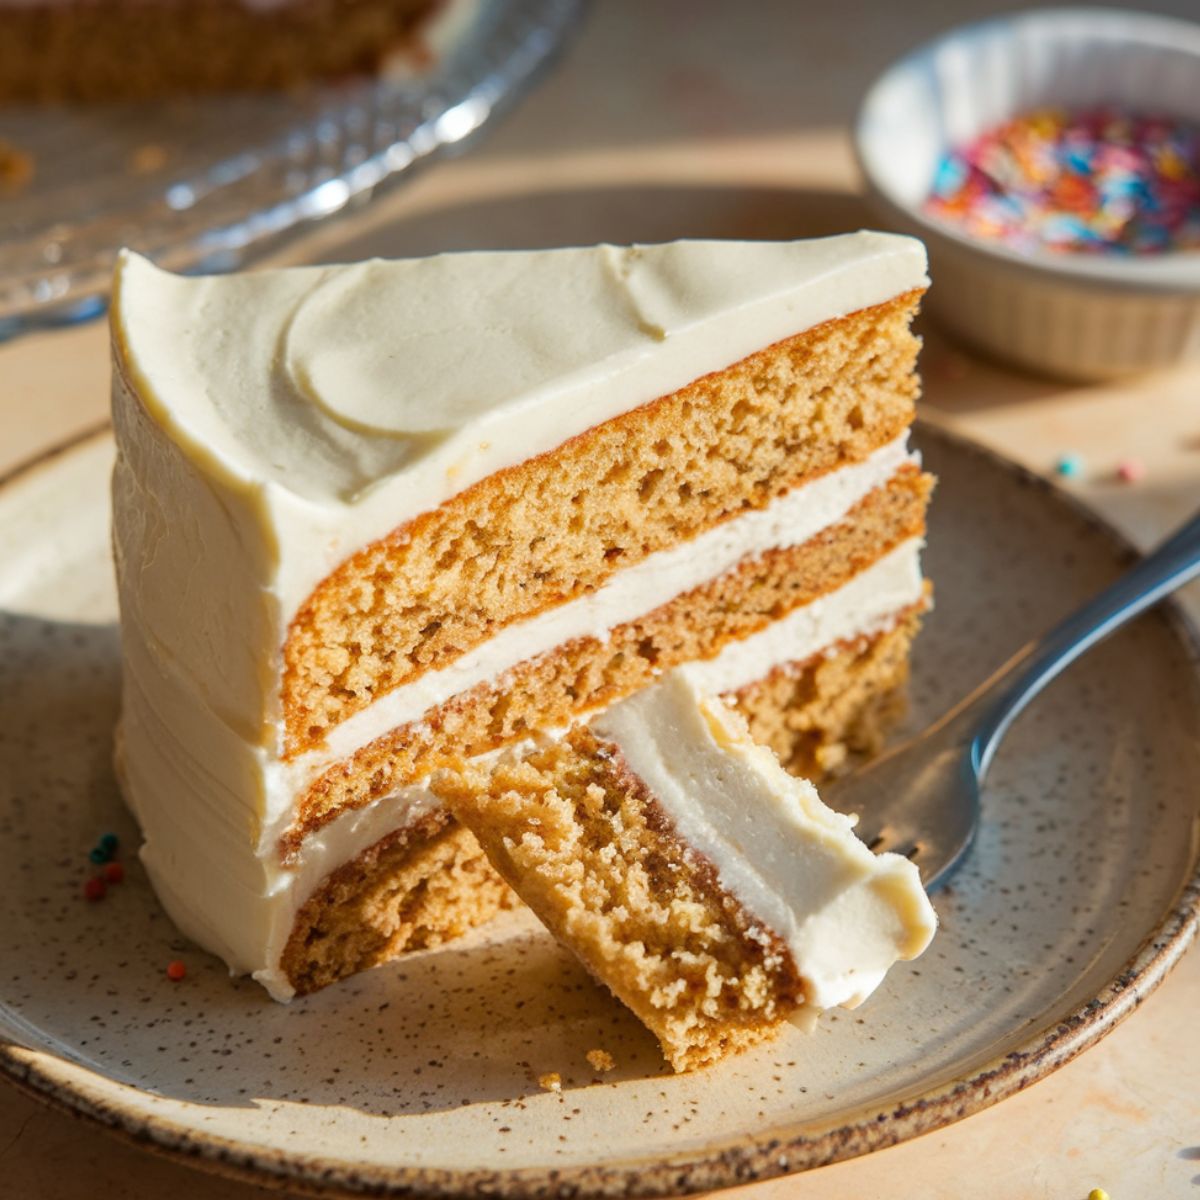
(215, 552)
(235, 902)
(271, 424)
(845, 914)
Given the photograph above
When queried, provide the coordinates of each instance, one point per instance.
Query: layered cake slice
(714, 893)
(370, 519)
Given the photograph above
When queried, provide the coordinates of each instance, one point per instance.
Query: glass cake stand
(198, 184)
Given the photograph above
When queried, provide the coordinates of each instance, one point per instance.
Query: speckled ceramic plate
(420, 1077)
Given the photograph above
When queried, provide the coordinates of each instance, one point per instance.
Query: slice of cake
(370, 519)
(709, 889)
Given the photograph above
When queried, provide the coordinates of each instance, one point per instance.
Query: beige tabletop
(671, 118)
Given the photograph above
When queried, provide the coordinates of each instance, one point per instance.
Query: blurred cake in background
(96, 50)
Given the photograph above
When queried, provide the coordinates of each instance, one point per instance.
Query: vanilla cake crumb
(551, 1081)
(601, 1060)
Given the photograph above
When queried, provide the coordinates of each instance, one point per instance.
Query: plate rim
(787, 1150)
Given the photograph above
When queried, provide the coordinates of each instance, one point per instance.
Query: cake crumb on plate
(601, 1060)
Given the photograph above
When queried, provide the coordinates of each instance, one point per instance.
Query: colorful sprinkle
(1098, 1194)
(1131, 470)
(1092, 182)
(114, 872)
(176, 970)
(1069, 466)
(95, 888)
(105, 849)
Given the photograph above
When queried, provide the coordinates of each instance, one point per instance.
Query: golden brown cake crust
(549, 691)
(583, 842)
(131, 49)
(649, 479)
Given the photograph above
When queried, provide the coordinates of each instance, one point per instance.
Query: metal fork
(921, 798)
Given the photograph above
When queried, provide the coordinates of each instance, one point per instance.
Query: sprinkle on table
(1098, 181)
(176, 970)
(1131, 470)
(104, 850)
(1098, 1194)
(1069, 466)
(102, 856)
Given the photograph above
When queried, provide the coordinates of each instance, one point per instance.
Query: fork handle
(1167, 567)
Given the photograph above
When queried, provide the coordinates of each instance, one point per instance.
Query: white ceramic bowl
(1067, 314)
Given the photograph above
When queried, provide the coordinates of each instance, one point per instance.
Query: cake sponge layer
(815, 714)
(592, 854)
(560, 524)
(417, 888)
(552, 689)
(365, 912)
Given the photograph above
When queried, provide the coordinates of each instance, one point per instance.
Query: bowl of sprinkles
(1051, 162)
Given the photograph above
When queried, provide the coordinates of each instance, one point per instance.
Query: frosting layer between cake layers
(790, 520)
(269, 425)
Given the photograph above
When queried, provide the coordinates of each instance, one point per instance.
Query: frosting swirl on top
(328, 406)
(327, 381)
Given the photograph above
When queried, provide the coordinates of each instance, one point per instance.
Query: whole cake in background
(99, 50)
(373, 519)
